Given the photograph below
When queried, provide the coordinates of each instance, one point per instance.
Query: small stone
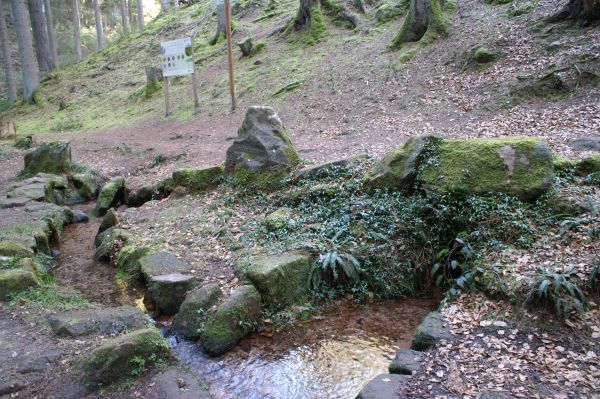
(406, 361)
(79, 216)
(384, 386)
(111, 219)
(55, 253)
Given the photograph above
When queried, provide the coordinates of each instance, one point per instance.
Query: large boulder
(518, 166)
(194, 310)
(588, 165)
(198, 180)
(384, 386)
(283, 280)
(13, 281)
(111, 195)
(233, 319)
(262, 153)
(126, 356)
(167, 291)
(97, 321)
(430, 332)
(148, 192)
(53, 157)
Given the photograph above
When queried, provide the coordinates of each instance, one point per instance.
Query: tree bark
(584, 12)
(31, 78)
(423, 16)
(40, 35)
(51, 34)
(9, 71)
(124, 23)
(221, 28)
(140, 13)
(98, 18)
(303, 18)
(76, 29)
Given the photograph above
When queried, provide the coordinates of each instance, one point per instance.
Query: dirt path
(78, 269)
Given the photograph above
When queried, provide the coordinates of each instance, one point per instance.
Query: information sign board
(176, 57)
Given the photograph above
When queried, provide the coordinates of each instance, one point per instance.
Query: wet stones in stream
(97, 321)
(195, 309)
(168, 279)
(383, 386)
(430, 332)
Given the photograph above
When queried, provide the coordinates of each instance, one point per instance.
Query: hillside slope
(353, 94)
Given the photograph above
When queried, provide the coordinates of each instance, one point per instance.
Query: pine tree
(31, 78)
(9, 70)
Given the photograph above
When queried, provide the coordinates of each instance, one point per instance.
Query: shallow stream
(331, 356)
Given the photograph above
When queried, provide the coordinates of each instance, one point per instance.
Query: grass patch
(49, 297)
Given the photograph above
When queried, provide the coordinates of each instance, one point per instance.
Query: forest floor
(355, 96)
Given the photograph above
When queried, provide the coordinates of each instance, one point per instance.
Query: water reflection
(331, 358)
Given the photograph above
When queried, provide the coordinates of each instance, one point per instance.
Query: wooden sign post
(230, 53)
(177, 58)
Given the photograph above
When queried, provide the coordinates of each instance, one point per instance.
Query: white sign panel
(176, 57)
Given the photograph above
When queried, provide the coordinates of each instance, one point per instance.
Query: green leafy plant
(334, 267)
(557, 287)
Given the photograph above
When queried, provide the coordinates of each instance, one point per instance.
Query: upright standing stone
(53, 157)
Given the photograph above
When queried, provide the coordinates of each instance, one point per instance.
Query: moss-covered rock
(85, 185)
(570, 200)
(483, 55)
(263, 153)
(390, 10)
(11, 248)
(398, 169)
(198, 180)
(282, 280)
(106, 242)
(234, 319)
(517, 166)
(430, 332)
(128, 260)
(550, 86)
(52, 157)
(562, 164)
(16, 280)
(126, 356)
(42, 187)
(195, 310)
(110, 219)
(588, 165)
(315, 172)
(279, 219)
(111, 195)
(167, 292)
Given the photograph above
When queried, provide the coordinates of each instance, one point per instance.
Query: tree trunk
(303, 18)
(423, 16)
(124, 23)
(30, 74)
(98, 18)
(164, 5)
(40, 35)
(584, 12)
(140, 13)
(221, 28)
(51, 34)
(9, 71)
(76, 29)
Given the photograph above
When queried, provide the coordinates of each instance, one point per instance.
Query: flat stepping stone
(161, 263)
(15, 202)
(93, 321)
(168, 291)
(36, 364)
(384, 386)
(178, 384)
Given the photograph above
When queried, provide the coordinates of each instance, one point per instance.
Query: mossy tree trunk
(584, 12)
(303, 18)
(221, 25)
(424, 17)
(9, 70)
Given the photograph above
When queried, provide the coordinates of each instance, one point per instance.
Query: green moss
(110, 195)
(562, 164)
(85, 185)
(9, 248)
(483, 55)
(588, 165)
(476, 166)
(269, 179)
(16, 280)
(282, 279)
(390, 9)
(198, 180)
(127, 356)
(278, 219)
(128, 261)
(259, 46)
(438, 26)
(287, 88)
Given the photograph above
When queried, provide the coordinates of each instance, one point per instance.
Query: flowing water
(331, 356)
